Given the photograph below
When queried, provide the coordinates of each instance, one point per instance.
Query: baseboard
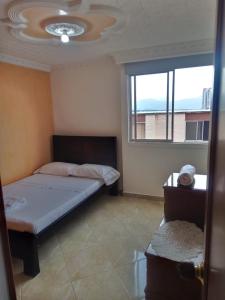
(157, 198)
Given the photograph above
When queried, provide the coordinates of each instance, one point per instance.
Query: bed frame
(71, 149)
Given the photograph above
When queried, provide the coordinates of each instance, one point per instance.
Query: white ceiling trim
(164, 51)
(24, 62)
(17, 22)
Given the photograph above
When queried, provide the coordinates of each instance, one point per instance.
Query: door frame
(6, 248)
(214, 138)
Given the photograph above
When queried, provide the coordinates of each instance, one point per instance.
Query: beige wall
(26, 121)
(87, 99)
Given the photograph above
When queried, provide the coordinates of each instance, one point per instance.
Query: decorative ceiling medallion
(65, 27)
(59, 29)
(70, 22)
(65, 30)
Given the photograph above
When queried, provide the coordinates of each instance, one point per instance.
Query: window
(172, 105)
(197, 131)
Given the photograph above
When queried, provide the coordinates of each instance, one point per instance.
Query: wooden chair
(164, 281)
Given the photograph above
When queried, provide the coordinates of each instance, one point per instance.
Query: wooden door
(214, 270)
(7, 288)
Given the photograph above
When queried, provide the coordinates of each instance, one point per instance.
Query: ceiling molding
(24, 62)
(17, 23)
(164, 51)
(102, 59)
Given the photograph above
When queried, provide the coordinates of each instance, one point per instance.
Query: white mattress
(47, 197)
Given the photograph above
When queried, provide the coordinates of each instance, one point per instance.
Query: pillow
(108, 174)
(56, 168)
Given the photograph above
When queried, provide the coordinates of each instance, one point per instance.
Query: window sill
(170, 145)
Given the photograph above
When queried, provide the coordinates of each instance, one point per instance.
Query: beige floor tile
(19, 278)
(53, 267)
(46, 284)
(123, 251)
(102, 286)
(87, 262)
(101, 217)
(74, 239)
(18, 294)
(133, 277)
(111, 229)
(100, 250)
(53, 270)
(48, 249)
(45, 291)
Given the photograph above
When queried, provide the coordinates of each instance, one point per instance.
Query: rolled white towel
(186, 176)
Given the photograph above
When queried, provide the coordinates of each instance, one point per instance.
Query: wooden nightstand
(187, 204)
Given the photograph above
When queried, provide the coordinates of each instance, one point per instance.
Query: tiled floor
(98, 255)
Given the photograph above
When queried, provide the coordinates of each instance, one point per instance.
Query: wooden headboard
(85, 149)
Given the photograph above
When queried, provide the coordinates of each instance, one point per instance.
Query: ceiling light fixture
(62, 12)
(64, 37)
(65, 30)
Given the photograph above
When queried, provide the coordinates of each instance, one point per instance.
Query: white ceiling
(149, 23)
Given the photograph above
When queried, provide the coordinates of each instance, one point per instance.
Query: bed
(52, 199)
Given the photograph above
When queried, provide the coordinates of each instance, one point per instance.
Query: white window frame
(167, 139)
(156, 67)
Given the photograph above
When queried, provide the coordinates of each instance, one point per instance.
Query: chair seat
(174, 242)
(179, 241)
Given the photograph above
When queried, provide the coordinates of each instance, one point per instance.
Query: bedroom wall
(146, 166)
(26, 121)
(91, 99)
(86, 99)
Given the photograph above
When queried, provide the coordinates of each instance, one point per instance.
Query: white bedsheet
(48, 198)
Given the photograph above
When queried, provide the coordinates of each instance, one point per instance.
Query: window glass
(172, 106)
(191, 129)
(193, 93)
(133, 108)
(151, 106)
(206, 131)
(200, 131)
